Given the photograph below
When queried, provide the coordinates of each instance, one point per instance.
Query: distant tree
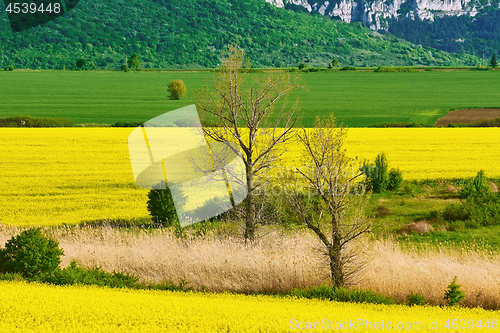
(81, 63)
(335, 63)
(177, 89)
(11, 68)
(133, 62)
(493, 61)
(302, 66)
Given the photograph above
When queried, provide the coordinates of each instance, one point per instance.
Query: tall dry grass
(277, 263)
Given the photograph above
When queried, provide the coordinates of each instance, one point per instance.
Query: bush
(415, 299)
(395, 180)
(342, 295)
(30, 253)
(302, 66)
(480, 208)
(348, 68)
(453, 294)
(477, 189)
(162, 208)
(177, 89)
(11, 68)
(93, 276)
(377, 178)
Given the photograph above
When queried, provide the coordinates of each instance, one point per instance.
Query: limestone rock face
(373, 13)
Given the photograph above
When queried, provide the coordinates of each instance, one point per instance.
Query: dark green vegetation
(30, 254)
(342, 295)
(20, 121)
(180, 34)
(457, 34)
(358, 99)
(453, 295)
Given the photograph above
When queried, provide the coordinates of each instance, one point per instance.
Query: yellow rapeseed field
(44, 308)
(69, 175)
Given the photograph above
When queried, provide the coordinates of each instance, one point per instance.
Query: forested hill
(473, 35)
(191, 33)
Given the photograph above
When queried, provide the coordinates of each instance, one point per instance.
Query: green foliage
(133, 62)
(376, 174)
(81, 63)
(11, 68)
(342, 294)
(415, 299)
(348, 68)
(453, 295)
(493, 61)
(173, 34)
(177, 89)
(477, 189)
(161, 206)
(334, 63)
(90, 276)
(396, 69)
(302, 66)
(24, 121)
(30, 253)
(395, 180)
(481, 206)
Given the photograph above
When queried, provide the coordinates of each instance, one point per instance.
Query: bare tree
(253, 115)
(334, 205)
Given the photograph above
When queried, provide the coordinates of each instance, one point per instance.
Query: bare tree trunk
(250, 209)
(336, 267)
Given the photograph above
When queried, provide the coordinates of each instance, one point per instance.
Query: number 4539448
(470, 324)
(25, 8)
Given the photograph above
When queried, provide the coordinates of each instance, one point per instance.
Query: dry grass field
(277, 263)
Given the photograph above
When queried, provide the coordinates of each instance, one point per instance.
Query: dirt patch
(467, 116)
(421, 227)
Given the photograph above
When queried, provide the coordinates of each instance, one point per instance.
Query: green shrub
(177, 89)
(90, 276)
(453, 295)
(376, 175)
(30, 253)
(481, 206)
(348, 68)
(395, 180)
(477, 189)
(161, 206)
(342, 295)
(11, 68)
(415, 299)
(11, 277)
(457, 212)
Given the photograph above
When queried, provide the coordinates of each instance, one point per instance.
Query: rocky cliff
(374, 13)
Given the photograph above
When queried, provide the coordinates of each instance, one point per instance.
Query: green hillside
(190, 34)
